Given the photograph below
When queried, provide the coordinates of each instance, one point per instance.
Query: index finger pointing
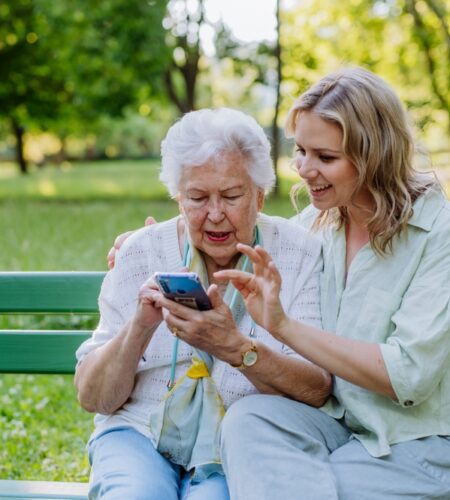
(250, 252)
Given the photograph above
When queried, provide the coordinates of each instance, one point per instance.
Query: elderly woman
(216, 164)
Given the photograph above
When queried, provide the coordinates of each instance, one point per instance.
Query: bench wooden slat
(43, 490)
(37, 351)
(52, 292)
(44, 351)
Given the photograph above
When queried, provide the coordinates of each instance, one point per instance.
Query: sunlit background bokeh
(87, 92)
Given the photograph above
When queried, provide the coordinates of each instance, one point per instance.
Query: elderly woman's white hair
(206, 134)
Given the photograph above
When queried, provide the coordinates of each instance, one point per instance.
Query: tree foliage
(32, 87)
(66, 64)
(184, 22)
(69, 67)
(430, 30)
(405, 41)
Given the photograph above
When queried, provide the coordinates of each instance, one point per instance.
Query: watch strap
(244, 365)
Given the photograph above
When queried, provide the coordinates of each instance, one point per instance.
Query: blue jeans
(125, 465)
(276, 448)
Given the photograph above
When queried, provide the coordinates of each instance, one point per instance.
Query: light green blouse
(402, 302)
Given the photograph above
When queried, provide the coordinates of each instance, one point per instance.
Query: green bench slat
(52, 292)
(45, 351)
(37, 351)
(43, 490)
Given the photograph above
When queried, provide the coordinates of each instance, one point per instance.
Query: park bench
(49, 351)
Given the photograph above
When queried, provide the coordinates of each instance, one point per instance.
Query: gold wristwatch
(249, 358)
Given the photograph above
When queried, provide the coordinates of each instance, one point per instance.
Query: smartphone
(184, 288)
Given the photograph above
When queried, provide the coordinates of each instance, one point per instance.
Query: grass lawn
(66, 219)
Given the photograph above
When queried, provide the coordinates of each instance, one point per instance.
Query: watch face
(250, 358)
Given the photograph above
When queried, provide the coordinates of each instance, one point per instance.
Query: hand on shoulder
(119, 241)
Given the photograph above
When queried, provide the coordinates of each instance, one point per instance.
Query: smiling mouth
(318, 189)
(217, 236)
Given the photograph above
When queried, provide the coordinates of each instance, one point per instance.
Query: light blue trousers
(126, 466)
(274, 448)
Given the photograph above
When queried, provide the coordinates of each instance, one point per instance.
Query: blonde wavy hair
(377, 140)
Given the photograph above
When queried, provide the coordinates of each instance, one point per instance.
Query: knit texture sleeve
(135, 263)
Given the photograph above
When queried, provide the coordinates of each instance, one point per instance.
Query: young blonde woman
(385, 302)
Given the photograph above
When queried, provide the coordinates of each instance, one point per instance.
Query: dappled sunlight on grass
(8, 170)
(46, 187)
(86, 181)
(112, 187)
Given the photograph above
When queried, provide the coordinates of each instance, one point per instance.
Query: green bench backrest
(51, 351)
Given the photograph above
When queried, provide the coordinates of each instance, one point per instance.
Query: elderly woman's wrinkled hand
(213, 331)
(260, 290)
(148, 313)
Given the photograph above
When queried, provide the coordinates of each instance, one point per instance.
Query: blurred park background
(87, 92)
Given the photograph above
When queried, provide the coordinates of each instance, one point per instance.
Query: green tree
(32, 84)
(183, 22)
(405, 41)
(65, 65)
(279, 73)
(118, 54)
(194, 78)
(430, 30)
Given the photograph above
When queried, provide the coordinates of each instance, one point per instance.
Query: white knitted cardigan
(297, 255)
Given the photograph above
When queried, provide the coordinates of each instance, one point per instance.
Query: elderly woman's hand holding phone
(212, 330)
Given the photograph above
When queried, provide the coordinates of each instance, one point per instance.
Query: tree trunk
(422, 34)
(275, 129)
(19, 132)
(184, 98)
(190, 78)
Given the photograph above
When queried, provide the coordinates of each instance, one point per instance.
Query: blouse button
(408, 402)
